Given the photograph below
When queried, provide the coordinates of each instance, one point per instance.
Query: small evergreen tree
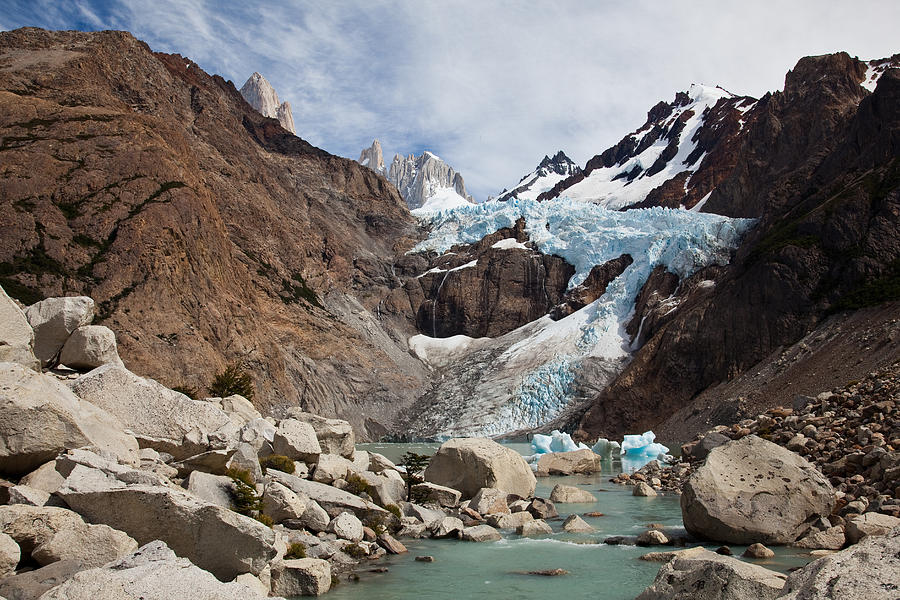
(415, 468)
(233, 380)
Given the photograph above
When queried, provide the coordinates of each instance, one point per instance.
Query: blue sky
(491, 87)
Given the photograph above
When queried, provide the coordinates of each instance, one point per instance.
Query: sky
(489, 86)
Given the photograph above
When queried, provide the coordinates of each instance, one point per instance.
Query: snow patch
(440, 199)
(509, 244)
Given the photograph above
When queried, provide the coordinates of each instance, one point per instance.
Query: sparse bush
(264, 519)
(375, 523)
(233, 380)
(244, 499)
(357, 485)
(394, 510)
(355, 551)
(295, 550)
(279, 462)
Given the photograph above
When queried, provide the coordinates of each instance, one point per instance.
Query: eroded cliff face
(820, 171)
(206, 232)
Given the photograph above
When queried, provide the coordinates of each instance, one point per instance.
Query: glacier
(534, 368)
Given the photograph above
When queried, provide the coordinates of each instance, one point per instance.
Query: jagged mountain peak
(549, 172)
(260, 94)
(426, 182)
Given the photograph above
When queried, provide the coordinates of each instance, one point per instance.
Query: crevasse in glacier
(547, 352)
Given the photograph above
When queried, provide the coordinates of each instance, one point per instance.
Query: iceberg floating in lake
(643, 445)
(557, 441)
(606, 448)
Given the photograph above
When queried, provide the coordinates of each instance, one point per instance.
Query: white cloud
(489, 86)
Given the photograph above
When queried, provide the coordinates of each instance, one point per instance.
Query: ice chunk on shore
(606, 448)
(557, 441)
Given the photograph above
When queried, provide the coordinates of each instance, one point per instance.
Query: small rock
(425, 559)
(575, 524)
(538, 527)
(569, 494)
(757, 551)
(643, 489)
(480, 533)
(724, 551)
(549, 572)
(654, 537)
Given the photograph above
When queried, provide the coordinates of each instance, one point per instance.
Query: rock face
(160, 418)
(16, 335)
(89, 347)
(710, 576)
(794, 150)
(470, 464)
(489, 288)
(40, 417)
(180, 218)
(866, 570)
(153, 572)
(260, 94)
(751, 490)
(53, 320)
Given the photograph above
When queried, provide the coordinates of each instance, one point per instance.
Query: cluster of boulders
(115, 482)
(851, 434)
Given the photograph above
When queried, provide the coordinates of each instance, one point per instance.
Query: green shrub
(394, 510)
(244, 499)
(376, 523)
(233, 380)
(355, 551)
(279, 462)
(357, 485)
(295, 550)
(264, 519)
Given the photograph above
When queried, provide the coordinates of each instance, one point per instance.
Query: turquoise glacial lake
(494, 570)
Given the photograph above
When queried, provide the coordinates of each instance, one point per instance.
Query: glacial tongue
(534, 373)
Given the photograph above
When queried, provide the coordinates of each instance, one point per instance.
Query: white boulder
(40, 417)
(469, 464)
(90, 346)
(16, 335)
(301, 577)
(346, 526)
(296, 440)
(53, 321)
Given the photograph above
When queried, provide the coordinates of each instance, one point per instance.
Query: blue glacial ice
(557, 441)
(546, 354)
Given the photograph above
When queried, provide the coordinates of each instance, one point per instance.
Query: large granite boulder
(16, 335)
(868, 570)
(333, 500)
(301, 577)
(89, 347)
(50, 534)
(335, 435)
(160, 418)
(282, 503)
(751, 490)
(569, 494)
(153, 572)
(871, 523)
(214, 538)
(31, 585)
(40, 417)
(215, 489)
(431, 492)
(709, 576)
(10, 554)
(296, 440)
(469, 464)
(567, 463)
(53, 321)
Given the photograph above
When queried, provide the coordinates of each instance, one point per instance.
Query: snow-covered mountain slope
(548, 173)
(426, 182)
(260, 94)
(525, 378)
(672, 160)
(876, 69)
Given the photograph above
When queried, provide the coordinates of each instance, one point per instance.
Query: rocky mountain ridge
(545, 176)
(205, 231)
(260, 94)
(424, 181)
